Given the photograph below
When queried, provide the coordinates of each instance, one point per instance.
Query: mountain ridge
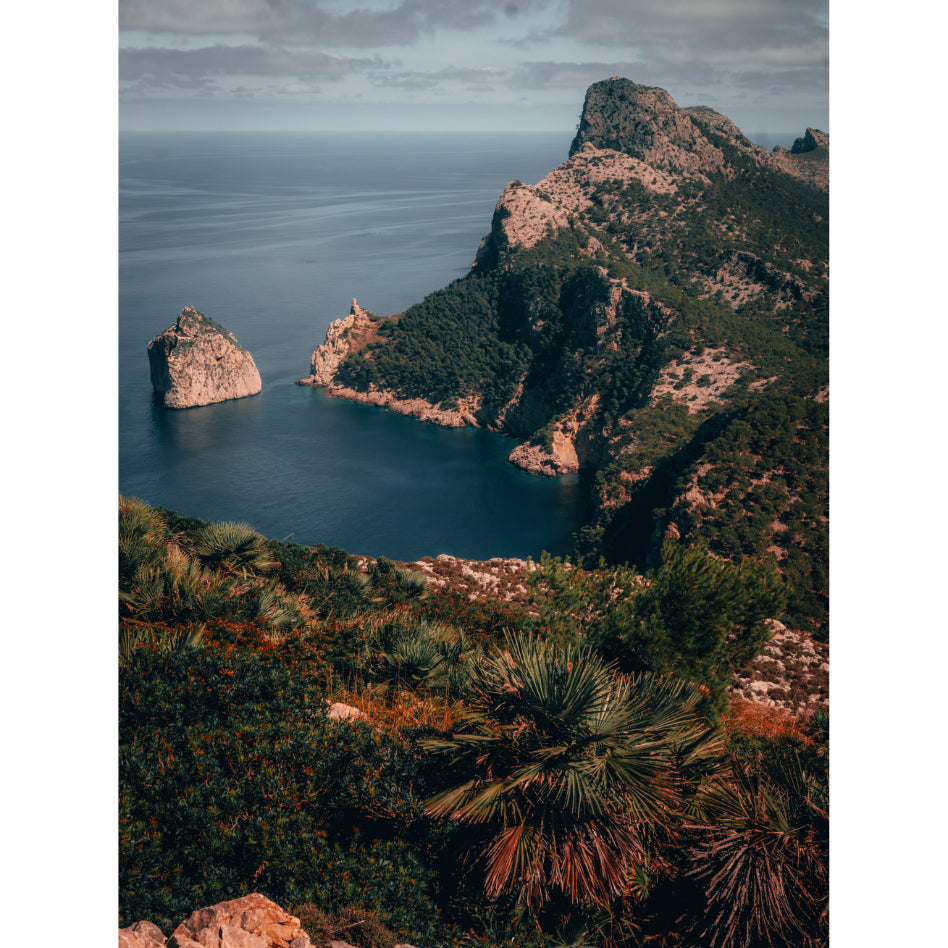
(661, 290)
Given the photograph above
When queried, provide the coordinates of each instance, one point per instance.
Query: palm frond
(233, 548)
(569, 761)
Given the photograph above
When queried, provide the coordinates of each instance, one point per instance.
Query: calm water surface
(273, 235)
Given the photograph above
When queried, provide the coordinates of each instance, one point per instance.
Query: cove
(272, 236)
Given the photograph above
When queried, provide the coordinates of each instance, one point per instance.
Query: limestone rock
(345, 712)
(646, 123)
(808, 158)
(199, 362)
(141, 935)
(340, 339)
(522, 217)
(249, 922)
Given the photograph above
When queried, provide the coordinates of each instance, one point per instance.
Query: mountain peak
(645, 122)
(811, 141)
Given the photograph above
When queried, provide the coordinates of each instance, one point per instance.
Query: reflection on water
(272, 238)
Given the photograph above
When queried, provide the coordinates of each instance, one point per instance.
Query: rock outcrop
(811, 141)
(141, 935)
(646, 123)
(807, 158)
(249, 922)
(197, 361)
(349, 335)
(341, 337)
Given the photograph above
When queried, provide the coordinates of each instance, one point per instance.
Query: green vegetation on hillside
(544, 321)
(446, 347)
(512, 736)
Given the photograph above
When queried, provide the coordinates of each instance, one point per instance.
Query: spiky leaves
(570, 768)
(233, 548)
(416, 653)
(180, 640)
(763, 858)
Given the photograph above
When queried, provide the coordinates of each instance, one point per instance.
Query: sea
(272, 235)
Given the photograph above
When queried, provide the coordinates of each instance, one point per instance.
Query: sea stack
(199, 362)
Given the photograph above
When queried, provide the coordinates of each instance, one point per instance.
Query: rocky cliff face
(342, 337)
(645, 122)
(648, 292)
(198, 362)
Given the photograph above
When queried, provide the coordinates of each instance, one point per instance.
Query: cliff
(197, 361)
(664, 286)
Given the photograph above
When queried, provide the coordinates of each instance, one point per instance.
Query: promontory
(197, 361)
(654, 312)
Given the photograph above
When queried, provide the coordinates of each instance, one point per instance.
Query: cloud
(782, 32)
(322, 22)
(181, 66)
(524, 76)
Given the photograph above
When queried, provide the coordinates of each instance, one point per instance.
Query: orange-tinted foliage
(756, 720)
(402, 710)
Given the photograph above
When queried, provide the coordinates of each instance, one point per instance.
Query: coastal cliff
(656, 296)
(196, 361)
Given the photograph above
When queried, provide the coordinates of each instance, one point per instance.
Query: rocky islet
(196, 361)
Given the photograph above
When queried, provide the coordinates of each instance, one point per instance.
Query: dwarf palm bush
(179, 640)
(276, 608)
(763, 859)
(417, 653)
(143, 536)
(393, 584)
(569, 771)
(175, 591)
(233, 548)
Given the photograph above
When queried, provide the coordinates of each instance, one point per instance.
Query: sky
(463, 64)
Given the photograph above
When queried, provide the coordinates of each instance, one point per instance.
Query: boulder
(199, 362)
(141, 935)
(345, 712)
(249, 922)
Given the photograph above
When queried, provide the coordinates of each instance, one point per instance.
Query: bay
(272, 235)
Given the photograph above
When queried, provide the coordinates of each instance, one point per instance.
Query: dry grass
(757, 720)
(396, 710)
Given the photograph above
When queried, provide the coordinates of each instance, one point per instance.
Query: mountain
(653, 312)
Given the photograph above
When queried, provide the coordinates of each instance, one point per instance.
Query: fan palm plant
(762, 859)
(233, 548)
(143, 536)
(175, 641)
(418, 653)
(570, 768)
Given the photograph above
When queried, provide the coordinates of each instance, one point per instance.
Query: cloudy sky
(463, 64)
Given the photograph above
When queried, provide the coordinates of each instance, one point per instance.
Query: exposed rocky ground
(792, 673)
(252, 921)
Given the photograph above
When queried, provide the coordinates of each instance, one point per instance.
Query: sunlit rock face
(199, 362)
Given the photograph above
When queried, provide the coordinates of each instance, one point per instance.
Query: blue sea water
(272, 235)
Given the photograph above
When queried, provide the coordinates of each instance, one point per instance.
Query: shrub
(570, 773)
(232, 779)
